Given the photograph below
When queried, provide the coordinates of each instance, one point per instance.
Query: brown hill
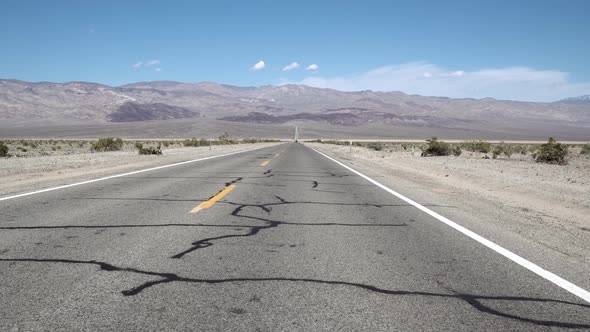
(82, 103)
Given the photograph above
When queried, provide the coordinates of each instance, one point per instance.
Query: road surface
(276, 239)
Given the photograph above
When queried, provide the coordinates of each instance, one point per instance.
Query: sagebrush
(148, 150)
(107, 144)
(434, 147)
(503, 148)
(3, 150)
(195, 142)
(477, 146)
(551, 152)
(375, 146)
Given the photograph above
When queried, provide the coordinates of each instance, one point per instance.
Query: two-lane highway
(276, 239)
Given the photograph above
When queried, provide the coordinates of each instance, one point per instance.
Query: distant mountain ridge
(585, 99)
(92, 103)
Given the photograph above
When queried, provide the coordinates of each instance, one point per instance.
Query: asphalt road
(275, 239)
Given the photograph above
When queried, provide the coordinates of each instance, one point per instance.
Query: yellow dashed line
(264, 163)
(210, 202)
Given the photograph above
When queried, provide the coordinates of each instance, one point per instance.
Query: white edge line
(550, 276)
(121, 175)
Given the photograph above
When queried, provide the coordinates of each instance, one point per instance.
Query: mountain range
(585, 100)
(31, 104)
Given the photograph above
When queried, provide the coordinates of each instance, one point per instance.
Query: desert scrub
(551, 152)
(521, 149)
(3, 150)
(502, 148)
(107, 144)
(195, 142)
(148, 150)
(259, 140)
(225, 138)
(456, 150)
(585, 149)
(375, 146)
(477, 146)
(434, 147)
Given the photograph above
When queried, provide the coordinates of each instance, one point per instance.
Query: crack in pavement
(267, 207)
(475, 301)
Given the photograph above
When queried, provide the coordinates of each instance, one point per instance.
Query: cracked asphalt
(298, 244)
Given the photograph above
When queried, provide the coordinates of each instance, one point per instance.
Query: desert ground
(206, 127)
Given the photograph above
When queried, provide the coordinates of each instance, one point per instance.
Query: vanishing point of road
(275, 239)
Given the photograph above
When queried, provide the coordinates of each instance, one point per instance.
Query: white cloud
(313, 67)
(291, 66)
(152, 63)
(423, 78)
(258, 66)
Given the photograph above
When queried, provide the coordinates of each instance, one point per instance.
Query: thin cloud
(152, 63)
(147, 64)
(258, 66)
(312, 67)
(291, 66)
(423, 78)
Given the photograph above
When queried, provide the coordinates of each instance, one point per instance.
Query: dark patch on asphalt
(585, 229)
(255, 298)
(478, 302)
(227, 184)
(237, 311)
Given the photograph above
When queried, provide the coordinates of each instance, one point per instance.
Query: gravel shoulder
(22, 174)
(536, 210)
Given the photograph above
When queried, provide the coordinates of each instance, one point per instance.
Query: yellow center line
(212, 200)
(264, 163)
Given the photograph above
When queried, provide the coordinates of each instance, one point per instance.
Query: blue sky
(524, 50)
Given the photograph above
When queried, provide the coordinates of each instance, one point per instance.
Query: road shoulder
(557, 244)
